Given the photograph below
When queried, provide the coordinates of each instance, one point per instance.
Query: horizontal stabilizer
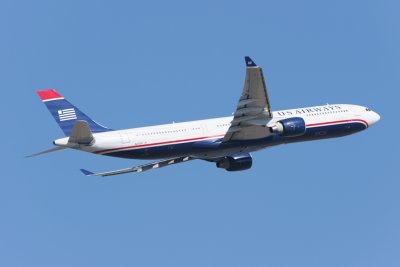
(47, 151)
(81, 133)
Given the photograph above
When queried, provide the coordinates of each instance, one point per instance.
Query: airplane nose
(373, 118)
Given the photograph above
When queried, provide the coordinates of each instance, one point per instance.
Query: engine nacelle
(238, 162)
(290, 127)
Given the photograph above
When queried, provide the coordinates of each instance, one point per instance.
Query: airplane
(226, 141)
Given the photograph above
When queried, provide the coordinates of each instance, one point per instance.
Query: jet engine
(290, 127)
(237, 162)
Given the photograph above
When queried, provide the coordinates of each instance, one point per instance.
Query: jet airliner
(226, 141)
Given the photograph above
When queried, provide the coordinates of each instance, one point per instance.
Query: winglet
(250, 62)
(86, 172)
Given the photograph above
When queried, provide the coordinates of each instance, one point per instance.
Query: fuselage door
(204, 129)
(357, 112)
(125, 139)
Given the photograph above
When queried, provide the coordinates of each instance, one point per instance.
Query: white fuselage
(170, 135)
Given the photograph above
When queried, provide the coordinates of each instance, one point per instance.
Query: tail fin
(67, 114)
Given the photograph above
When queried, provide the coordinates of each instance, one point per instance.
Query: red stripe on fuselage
(214, 136)
(159, 143)
(334, 122)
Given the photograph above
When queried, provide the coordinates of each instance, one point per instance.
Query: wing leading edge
(253, 110)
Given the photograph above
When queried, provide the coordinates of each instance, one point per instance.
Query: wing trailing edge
(253, 111)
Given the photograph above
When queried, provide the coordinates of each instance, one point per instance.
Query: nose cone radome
(373, 118)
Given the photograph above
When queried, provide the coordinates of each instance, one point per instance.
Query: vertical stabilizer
(67, 114)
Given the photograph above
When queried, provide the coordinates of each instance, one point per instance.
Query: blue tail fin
(65, 113)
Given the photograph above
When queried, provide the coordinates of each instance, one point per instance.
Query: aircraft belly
(328, 131)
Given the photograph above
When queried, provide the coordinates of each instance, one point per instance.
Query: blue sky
(138, 63)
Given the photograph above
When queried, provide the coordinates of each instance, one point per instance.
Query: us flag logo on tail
(67, 114)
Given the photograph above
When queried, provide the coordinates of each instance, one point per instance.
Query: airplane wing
(141, 168)
(253, 110)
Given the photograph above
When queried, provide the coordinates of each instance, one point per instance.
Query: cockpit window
(367, 109)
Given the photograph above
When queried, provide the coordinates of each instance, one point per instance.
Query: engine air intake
(290, 127)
